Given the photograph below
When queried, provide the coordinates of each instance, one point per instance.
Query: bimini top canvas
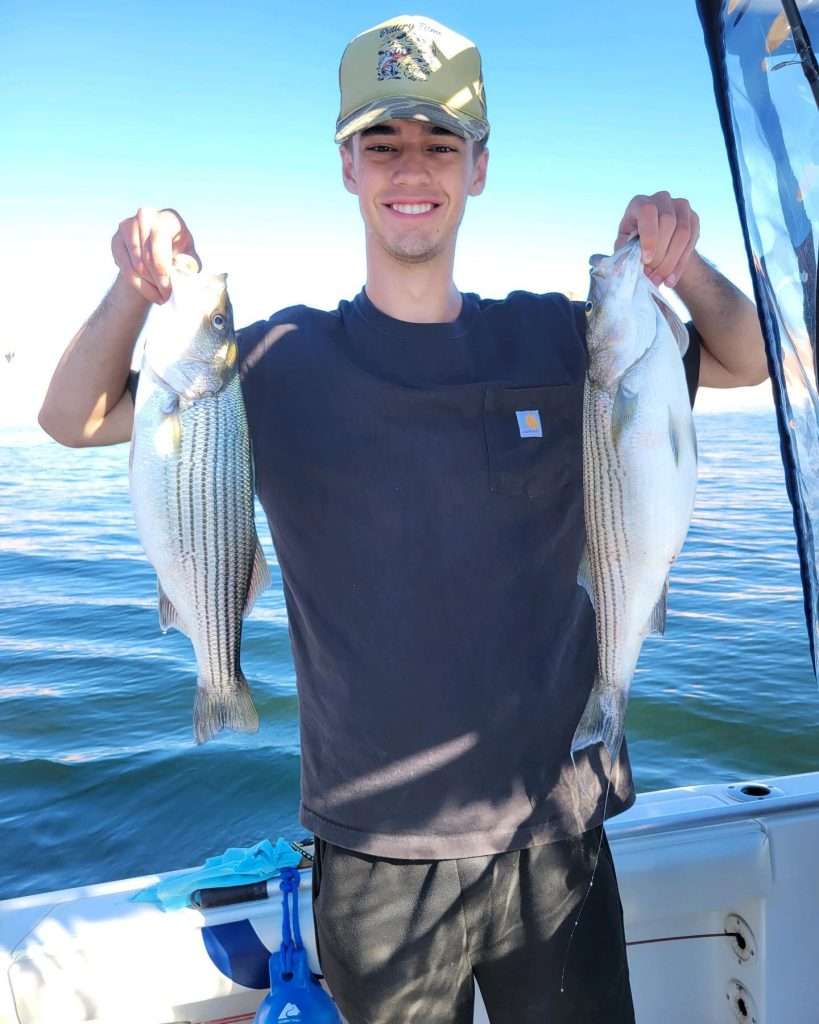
(766, 81)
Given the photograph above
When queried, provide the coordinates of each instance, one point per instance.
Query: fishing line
(591, 880)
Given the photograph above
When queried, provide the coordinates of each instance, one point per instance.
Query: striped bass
(639, 476)
(191, 482)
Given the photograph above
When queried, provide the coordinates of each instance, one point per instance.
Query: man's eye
(380, 148)
(445, 149)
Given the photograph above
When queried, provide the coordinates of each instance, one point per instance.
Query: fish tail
(223, 707)
(601, 722)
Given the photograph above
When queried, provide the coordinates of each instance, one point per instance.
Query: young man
(429, 550)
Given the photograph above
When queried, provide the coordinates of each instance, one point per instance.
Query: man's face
(412, 180)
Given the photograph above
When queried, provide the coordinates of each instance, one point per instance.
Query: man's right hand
(144, 246)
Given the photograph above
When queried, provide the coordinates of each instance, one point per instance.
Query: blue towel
(236, 866)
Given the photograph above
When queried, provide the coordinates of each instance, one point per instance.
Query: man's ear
(479, 174)
(348, 167)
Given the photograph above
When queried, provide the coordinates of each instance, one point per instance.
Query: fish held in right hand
(639, 476)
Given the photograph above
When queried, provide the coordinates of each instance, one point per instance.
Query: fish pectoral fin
(170, 404)
(168, 615)
(259, 578)
(656, 621)
(623, 411)
(168, 436)
(678, 328)
(584, 577)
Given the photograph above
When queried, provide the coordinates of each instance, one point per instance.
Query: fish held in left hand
(639, 476)
(191, 483)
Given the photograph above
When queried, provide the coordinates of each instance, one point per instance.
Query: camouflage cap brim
(378, 111)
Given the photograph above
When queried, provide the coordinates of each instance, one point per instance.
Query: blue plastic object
(236, 866)
(295, 994)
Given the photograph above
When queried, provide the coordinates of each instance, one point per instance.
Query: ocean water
(100, 779)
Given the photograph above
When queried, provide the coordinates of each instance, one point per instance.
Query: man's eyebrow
(388, 129)
(380, 129)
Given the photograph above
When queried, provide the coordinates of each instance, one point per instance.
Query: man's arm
(733, 353)
(87, 402)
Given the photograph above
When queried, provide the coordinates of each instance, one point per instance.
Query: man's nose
(412, 167)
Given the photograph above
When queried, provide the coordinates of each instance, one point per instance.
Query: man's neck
(421, 293)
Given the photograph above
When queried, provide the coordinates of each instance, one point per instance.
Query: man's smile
(412, 208)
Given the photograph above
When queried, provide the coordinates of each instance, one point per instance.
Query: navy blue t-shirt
(423, 486)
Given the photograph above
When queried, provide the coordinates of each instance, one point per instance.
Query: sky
(226, 112)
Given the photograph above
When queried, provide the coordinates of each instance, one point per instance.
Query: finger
(682, 244)
(685, 259)
(662, 203)
(132, 240)
(146, 221)
(118, 250)
(674, 252)
(192, 252)
(125, 246)
(648, 228)
(160, 254)
(628, 225)
(181, 238)
(122, 258)
(683, 262)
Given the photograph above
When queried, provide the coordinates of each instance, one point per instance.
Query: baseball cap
(412, 67)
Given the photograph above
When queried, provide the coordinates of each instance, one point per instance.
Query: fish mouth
(617, 264)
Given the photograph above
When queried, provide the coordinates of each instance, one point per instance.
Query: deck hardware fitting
(744, 940)
(755, 790)
(752, 792)
(742, 1002)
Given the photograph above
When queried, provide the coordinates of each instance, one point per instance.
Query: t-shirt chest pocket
(534, 439)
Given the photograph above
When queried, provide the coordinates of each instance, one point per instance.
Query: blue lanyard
(291, 940)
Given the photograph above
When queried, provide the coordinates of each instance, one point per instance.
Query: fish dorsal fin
(678, 328)
(259, 578)
(656, 621)
(168, 615)
(584, 575)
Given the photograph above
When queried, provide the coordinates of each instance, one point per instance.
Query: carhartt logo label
(290, 1012)
(529, 423)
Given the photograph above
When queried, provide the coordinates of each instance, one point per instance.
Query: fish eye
(589, 307)
(218, 321)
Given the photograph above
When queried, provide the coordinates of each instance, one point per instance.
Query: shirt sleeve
(691, 361)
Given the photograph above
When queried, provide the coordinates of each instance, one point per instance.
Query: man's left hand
(668, 230)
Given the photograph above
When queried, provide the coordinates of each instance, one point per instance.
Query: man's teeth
(412, 207)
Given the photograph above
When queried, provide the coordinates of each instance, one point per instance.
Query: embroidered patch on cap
(529, 423)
